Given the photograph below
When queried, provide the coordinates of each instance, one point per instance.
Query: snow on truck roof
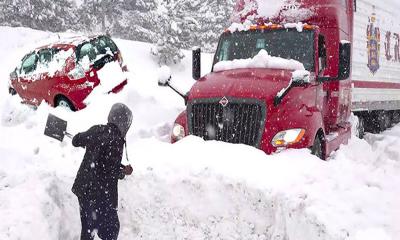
(246, 26)
(278, 10)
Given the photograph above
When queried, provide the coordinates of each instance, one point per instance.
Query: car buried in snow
(64, 73)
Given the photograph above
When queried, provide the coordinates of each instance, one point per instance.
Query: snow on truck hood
(261, 60)
(262, 77)
(260, 83)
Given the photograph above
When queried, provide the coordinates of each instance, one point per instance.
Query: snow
(111, 75)
(268, 8)
(239, 27)
(298, 26)
(56, 65)
(192, 189)
(261, 60)
(287, 11)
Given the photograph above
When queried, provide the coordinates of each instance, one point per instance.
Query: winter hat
(121, 116)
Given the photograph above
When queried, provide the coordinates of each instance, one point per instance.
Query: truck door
(336, 93)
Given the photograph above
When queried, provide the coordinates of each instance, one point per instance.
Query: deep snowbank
(192, 189)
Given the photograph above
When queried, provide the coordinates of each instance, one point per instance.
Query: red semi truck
(350, 49)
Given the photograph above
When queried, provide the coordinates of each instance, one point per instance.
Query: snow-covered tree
(138, 20)
(53, 15)
(99, 15)
(191, 23)
(171, 25)
(168, 47)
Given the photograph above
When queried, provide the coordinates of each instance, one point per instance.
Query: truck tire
(317, 149)
(62, 101)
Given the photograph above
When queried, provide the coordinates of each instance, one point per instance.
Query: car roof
(69, 42)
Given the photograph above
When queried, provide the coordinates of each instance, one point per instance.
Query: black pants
(98, 217)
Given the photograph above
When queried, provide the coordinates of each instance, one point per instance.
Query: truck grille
(239, 121)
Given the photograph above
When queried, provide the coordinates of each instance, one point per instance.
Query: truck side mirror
(164, 80)
(196, 63)
(164, 76)
(301, 78)
(344, 60)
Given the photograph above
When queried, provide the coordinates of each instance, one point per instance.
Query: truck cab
(271, 106)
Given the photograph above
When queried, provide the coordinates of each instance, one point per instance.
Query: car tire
(317, 149)
(62, 101)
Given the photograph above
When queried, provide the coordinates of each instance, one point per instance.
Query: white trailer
(376, 56)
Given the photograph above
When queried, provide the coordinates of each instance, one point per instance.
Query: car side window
(87, 50)
(101, 46)
(45, 56)
(110, 43)
(29, 63)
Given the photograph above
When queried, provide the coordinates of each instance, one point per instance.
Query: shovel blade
(55, 127)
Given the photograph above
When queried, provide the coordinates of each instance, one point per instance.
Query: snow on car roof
(70, 41)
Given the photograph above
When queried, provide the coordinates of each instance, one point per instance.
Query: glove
(127, 170)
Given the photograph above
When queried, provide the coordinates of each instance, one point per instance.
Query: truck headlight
(288, 137)
(178, 132)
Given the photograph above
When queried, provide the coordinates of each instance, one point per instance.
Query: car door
(41, 88)
(27, 76)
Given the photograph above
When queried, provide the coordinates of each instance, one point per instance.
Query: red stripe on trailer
(370, 84)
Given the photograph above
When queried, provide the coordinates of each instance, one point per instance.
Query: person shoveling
(96, 183)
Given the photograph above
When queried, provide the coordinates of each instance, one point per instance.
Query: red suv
(66, 72)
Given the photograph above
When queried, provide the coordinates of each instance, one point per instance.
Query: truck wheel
(62, 101)
(317, 148)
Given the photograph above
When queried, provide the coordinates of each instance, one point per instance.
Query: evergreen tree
(168, 47)
(171, 25)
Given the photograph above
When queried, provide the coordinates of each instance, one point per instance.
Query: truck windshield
(284, 43)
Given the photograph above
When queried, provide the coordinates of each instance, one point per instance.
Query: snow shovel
(56, 128)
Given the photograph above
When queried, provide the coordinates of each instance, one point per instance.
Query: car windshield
(98, 46)
(284, 43)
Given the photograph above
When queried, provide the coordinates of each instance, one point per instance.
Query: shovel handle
(68, 135)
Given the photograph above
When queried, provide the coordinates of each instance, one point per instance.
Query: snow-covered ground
(192, 189)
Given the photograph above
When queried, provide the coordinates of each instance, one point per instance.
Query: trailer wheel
(317, 148)
(387, 120)
(396, 117)
(360, 127)
(379, 121)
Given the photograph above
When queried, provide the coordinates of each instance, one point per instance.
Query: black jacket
(97, 177)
